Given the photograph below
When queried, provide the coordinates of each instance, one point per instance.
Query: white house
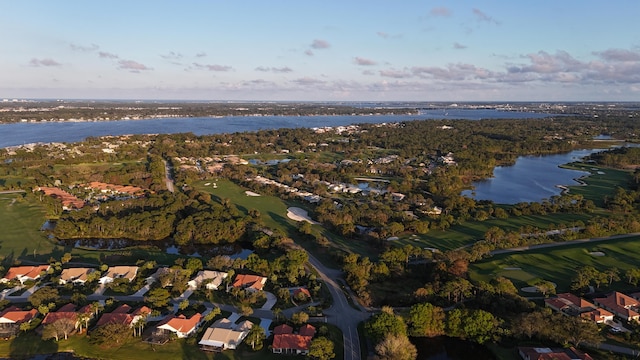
(180, 325)
(213, 279)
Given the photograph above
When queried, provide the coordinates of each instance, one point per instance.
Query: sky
(308, 50)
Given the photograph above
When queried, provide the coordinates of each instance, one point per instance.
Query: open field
(559, 264)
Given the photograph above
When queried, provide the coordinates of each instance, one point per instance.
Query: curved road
(341, 313)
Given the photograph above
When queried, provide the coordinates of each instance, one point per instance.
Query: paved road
(564, 243)
(167, 175)
(341, 313)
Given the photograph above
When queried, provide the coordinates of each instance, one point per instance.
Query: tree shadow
(26, 345)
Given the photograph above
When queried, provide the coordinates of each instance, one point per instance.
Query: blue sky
(376, 50)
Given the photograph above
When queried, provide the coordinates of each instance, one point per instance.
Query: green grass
(272, 210)
(472, 231)
(559, 264)
(601, 183)
(21, 218)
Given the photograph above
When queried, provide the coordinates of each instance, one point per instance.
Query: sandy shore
(298, 214)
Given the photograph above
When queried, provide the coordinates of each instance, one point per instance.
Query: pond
(530, 179)
(447, 348)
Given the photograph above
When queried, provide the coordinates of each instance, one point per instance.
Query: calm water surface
(26, 133)
(531, 179)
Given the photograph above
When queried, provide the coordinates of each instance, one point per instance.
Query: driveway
(271, 300)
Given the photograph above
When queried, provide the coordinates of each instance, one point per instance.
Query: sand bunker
(251, 193)
(534, 289)
(298, 214)
(597, 253)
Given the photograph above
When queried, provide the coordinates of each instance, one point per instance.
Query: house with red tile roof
(68, 311)
(181, 325)
(620, 305)
(24, 273)
(569, 304)
(15, 315)
(69, 202)
(121, 315)
(249, 282)
(12, 317)
(301, 290)
(599, 315)
(542, 353)
(286, 342)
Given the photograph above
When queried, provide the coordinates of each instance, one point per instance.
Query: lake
(530, 179)
(46, 132)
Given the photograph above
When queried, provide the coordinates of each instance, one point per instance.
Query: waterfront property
(124, 315)
(180, 325)
(543, 353)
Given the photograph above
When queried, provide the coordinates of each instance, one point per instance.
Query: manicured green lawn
(472, 231)
(601, 183)
(559, 264)
(272, 210)
(21, 218)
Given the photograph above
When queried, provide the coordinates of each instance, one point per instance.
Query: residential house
(620, 305)
(77, 276)
(181, 325)
(124, 315)
(12, 317)
(69, 312)
(119, 272)
(224, 335)
(599, 316)
(534, 353)
(24, 273)
(15, 315)
(286, 342)
(572, 305)
(212, 279)
(250, 282)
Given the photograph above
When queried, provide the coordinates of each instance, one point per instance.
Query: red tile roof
(249, 281)
(32, 272)
(181, 323)
(301, 290)
(291, 341)
(16, 315)
(282, 329)
(120, 316)
(67, 311)
(68, 200)
(541, 353)
(620, 304)
(307, 330)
